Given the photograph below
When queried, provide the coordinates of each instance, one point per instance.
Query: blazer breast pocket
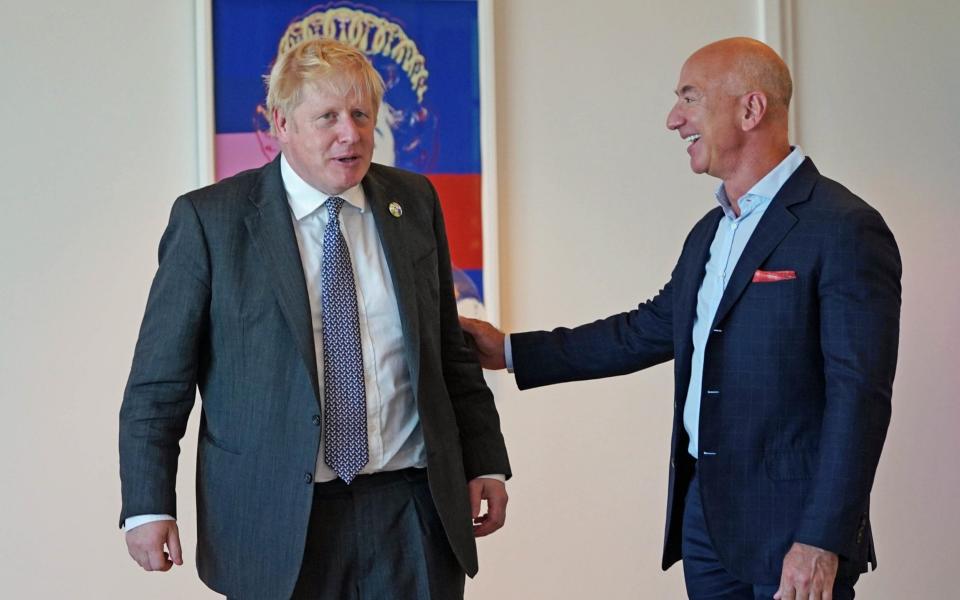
(772, 291)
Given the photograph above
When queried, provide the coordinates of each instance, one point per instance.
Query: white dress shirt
(394, 438)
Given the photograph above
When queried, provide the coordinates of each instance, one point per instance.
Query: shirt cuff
(137, 521)
(508, 353)
(498, 476)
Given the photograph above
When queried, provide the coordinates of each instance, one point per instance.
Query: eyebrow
(686, 90)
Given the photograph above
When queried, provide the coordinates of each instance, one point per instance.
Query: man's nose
(348, 131)
(674, 119)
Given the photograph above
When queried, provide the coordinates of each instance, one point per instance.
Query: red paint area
(460, 199)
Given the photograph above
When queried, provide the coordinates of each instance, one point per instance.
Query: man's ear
(280, 123)
(753, 107)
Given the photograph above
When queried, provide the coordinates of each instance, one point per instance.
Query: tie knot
(334, 204)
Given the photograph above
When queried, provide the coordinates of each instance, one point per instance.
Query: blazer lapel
(688, 286)
(690, 279)
(271, 229)
(776, 222)
(398, 255)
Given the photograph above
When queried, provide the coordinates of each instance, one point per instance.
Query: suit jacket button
(316, 420)
(308, 477)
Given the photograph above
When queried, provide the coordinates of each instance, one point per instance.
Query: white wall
(596, 198)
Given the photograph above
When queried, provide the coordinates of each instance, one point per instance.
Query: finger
(484, 526)
(139, 554)
(158, 561)
(173, 545)
(143, 560)
(496, 497)
(475, 489)
(815, 591)
(782, 590)
(467, 324)
(497, 509)
(786, 592)
(828, 581)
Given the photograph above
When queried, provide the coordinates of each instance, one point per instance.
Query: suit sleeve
(859, 294)
(484, 450)
(161, 389)
(620, 344)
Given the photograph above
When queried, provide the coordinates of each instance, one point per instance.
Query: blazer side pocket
(208, 439)
(790, 465)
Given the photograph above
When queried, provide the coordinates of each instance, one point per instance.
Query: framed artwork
(437, 117)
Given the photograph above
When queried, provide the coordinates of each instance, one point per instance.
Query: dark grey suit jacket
(228, 312)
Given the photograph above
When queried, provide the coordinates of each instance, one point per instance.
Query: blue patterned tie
(345, 407)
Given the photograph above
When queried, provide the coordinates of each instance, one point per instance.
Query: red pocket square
(768, 276)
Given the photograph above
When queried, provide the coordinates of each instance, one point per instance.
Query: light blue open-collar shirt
(731, 238)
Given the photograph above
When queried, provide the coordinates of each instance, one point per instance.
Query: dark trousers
(705, 577)
(379, 538)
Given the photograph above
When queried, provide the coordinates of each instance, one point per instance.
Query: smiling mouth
(692, 138)
(346, 160)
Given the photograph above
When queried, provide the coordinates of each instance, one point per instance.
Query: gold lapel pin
(395, 209)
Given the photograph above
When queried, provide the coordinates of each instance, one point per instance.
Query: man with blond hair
(782, 317)
(347, 438)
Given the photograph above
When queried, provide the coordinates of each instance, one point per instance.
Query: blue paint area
(471, 285)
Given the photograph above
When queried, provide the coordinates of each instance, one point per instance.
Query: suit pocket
(790, 465)
(774, 290)
(206, 438)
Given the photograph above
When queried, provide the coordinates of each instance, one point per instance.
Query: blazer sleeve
(620, 344)
(161, 389)
(859, 293)
(484, 450)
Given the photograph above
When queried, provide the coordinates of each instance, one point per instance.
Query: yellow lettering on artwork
(367, 32)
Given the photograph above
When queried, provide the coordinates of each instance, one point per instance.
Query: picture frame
(437, 59)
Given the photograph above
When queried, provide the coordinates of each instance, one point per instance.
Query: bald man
(782, 318)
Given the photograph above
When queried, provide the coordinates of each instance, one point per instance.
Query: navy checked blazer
(803, 367)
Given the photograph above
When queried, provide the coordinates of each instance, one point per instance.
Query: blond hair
(320, 62)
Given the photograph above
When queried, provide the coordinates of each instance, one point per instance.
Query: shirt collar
(764, 190)
(304, 199)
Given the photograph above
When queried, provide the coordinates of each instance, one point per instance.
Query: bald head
(731, 109)
(746, 65)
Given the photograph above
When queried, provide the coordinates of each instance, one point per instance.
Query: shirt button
(316, 419)
(308, 477)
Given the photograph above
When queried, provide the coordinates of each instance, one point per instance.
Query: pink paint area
(235, 152)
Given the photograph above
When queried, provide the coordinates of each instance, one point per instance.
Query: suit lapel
(699, 251)
(393, 239)
(271, 229)
(776, 222)
(688, 285)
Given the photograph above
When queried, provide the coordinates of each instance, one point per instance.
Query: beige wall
(595, 200)
(878, 89)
